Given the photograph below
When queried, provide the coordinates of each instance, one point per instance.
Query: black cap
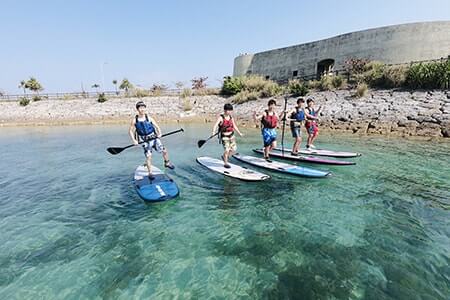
(140, 103)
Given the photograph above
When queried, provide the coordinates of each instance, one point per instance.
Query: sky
(67, 44)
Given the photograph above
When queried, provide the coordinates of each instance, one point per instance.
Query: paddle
(117, 150)
(200, 143)
(284, 124)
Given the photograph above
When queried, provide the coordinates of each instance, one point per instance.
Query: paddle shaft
(284, 124)
(117, 150)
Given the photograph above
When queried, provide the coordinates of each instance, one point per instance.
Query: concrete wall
(390, 44)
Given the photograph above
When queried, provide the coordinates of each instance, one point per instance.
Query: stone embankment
(386, 112)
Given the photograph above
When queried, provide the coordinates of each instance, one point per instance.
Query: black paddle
(284, 124)
(200, 143)
(117, 150)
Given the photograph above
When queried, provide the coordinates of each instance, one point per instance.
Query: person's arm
(257, 117)
(236, 127)
(290, 114)
(157, 128)
(132, 132)
(310, 116)
(216, 126)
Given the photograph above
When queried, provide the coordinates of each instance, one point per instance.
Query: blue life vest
(144, 128)
(299, 115)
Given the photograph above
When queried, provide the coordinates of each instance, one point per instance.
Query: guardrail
(87, 95)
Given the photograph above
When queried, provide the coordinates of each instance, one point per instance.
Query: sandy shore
(386, 112)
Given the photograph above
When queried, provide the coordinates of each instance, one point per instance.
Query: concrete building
(391, 44)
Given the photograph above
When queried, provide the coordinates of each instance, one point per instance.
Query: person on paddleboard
(226, 126)
(312, 128)
(269, 122)
(144, 128)
(297, 120)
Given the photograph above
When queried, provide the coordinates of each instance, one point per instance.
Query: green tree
(95, 86)
(115, 84)
(126, 85)
(22, 85)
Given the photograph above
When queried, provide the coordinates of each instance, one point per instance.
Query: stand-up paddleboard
(159, 189)
(308, 159)
(323, 152)
(281, 167)
(235, 171)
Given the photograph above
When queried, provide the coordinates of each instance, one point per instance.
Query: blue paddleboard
(159, 189)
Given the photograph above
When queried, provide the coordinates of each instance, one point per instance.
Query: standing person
(312, 116)
(226, 126)
(297, 119)
(269, 122)
(144, 128)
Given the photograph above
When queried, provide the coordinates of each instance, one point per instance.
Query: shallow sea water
(72, 226)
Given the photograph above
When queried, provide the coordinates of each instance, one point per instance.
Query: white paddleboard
(235, 171)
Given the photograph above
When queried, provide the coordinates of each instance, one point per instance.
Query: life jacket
(226, 125)
(299, 115)
(310, 121)
(144, 128)
(269, 121)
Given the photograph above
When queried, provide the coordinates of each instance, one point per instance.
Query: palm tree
(125, 85)
(95, 86)
(22, 85)
(115, 84)
(33, 85)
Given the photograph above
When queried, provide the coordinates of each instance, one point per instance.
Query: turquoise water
(72, 226)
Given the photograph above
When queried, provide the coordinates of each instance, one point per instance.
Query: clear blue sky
(64, 43)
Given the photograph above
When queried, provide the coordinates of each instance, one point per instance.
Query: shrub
(314, 84)
(297, 88)
(270, 89)
(361, 90)
(158, 89)
(338, 82)
(102, 98)
(141, 93)
(232, 85)
(433, 75)
(37, 98)
(186, 93)
(245, 96)
(187, 105)
(373, 74)
(395, 76)
(24, 101)
(326, 83)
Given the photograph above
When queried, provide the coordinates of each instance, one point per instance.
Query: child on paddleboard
(226, 126)
(269, 122)
(297, 119)
(312, 116)
(144, 128)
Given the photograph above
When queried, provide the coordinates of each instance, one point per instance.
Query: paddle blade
(114, 150)
(200, 143)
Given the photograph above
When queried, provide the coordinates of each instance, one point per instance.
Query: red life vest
(226, 125)
(269, 121)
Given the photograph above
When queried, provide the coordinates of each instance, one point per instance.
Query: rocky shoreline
(385, 112)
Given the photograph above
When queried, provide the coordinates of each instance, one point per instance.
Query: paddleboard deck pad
(235, 171)
(281, 167)
(161, 188)
(323, 152)
(308, 159)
